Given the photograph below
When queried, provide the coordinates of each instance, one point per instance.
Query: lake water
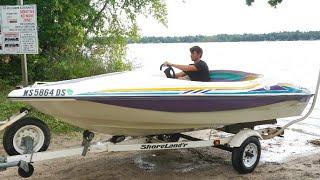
(296, 62)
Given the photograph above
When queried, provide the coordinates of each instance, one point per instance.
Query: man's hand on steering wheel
(169, 72)
(166, 63)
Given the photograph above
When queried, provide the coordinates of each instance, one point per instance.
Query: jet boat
(137, 104)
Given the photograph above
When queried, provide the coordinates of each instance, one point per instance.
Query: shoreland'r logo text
(164, 146)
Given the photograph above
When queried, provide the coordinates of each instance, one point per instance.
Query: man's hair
(196, 49)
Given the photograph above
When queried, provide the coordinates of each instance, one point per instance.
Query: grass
(7, 108)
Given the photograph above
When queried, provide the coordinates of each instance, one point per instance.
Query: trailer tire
(24, 174)
(246, 157)
(28, 126)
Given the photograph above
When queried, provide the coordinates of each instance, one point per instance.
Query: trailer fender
(241, 136)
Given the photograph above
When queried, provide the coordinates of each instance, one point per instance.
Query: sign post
(18, 33)
(24, 66)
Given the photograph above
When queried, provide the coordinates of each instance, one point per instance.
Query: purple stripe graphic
(275, 87)
(187, 92)
(206, 91)
(195, 103)
(194, 92)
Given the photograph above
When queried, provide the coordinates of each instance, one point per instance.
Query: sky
(211, 17)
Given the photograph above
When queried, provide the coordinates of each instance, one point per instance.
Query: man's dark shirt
(202, 73)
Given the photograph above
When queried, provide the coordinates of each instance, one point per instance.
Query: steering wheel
(168, 71)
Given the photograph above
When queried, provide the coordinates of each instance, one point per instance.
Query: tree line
(274, 36)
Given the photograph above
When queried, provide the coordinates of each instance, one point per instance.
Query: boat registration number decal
(47, 92)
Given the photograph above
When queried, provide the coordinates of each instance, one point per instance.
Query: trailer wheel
(29, 126)
(23, 173)
(246, 157)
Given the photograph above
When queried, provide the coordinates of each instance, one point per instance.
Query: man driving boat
(198, 71)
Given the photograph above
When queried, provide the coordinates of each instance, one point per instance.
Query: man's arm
(180, 74)
(185, 67)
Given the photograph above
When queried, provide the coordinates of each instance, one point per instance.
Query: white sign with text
(18, 29)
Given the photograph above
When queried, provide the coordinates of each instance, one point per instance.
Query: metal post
(24, 67)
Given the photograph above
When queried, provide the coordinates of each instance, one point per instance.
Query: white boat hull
(116, 120)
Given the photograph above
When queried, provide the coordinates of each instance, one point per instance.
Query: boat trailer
(228, 142)
(244, 145)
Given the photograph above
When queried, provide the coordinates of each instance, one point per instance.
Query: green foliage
(68, 67)
(81, 38)
(272, 3)
(280, 36)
